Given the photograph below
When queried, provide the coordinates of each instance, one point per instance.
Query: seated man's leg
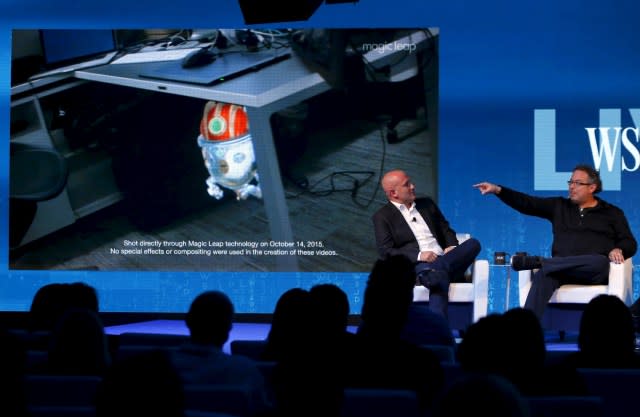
(542, 288)
(580, 269)
(635, 313)
(439, 297)
(435, 278)
(456, 261)
(437, 275)
(461, 257)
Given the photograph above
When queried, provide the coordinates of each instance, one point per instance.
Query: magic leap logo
(606, 143)
(381, 48)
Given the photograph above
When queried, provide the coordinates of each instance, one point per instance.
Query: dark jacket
(394, 236)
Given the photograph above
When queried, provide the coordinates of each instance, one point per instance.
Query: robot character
(227, 150)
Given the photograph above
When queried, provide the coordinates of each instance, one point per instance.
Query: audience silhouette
(606, 338)
(288, 325)
(146, 384)
(13, 401)
(511, 345)
(482, 395)
(329, 311)
(384, 359)
(309, 379)
(502, 356)
(78, 345)
(203, 361)
(50, 302)
(526, 351)
(46, 307)
(424, 327)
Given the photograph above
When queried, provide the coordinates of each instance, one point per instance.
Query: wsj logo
(606, 143)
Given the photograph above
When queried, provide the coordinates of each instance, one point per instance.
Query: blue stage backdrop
(527, 90)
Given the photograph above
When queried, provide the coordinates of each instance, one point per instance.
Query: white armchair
(473, 294)
(620, 284)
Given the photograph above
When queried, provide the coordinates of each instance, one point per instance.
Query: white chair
(473, 294)
(573, 297)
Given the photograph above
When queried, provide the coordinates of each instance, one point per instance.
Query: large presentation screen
(162, 193)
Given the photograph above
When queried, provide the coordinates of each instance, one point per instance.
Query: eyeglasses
(576, 183)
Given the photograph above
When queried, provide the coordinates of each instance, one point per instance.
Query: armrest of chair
(480, 281)
(620, 280)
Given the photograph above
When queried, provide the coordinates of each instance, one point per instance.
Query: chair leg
(392, 133)
(21, 215)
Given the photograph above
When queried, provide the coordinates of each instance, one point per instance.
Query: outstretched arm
(488, 188)
(525, 204)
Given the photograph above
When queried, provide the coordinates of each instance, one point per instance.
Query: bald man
(417, 229)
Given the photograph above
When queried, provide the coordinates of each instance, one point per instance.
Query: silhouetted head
(82, 295)
(606, 328)
(483, 348)
(291, 309)
(303, 340)
(526, 336)
(47, 306)
(210, 318)
(510, 345)
(387, 297)
(289, 323)
(525, 349)
(329, 308)
(52, 300)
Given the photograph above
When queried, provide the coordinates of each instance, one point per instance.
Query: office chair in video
(36, 174)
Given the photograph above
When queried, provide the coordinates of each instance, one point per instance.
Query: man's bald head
(398, 187)
(391, 179)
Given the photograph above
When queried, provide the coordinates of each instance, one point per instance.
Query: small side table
(635, 285)
(500, 289)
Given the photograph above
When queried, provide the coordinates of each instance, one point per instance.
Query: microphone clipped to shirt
(414, 220)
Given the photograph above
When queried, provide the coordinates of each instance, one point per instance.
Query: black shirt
(577, 231)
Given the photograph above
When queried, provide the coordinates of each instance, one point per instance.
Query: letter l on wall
(544, 165)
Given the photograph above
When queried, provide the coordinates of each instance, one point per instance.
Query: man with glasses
(588, 234)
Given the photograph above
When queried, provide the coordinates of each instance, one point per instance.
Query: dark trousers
(557, 271)
(454, 263)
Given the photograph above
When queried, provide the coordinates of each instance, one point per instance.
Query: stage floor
(259, 331)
